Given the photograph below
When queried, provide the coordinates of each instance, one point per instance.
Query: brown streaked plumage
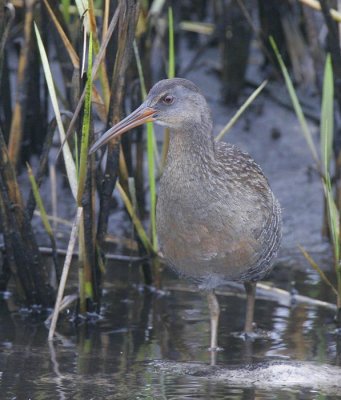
(217, 218)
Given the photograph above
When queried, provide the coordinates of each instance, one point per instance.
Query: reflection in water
(114, 358)
(58, 376)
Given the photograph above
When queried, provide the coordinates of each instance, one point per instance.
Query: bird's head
(174, 103)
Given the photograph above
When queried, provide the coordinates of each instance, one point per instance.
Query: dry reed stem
(264, 291)
(16, 131)
(68, 46)
(99, 58)
(66, 268)
(126, 34)
(5, 26)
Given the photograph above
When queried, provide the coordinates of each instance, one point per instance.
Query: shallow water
(153, 345)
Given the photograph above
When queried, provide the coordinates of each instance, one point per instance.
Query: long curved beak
(138, 117)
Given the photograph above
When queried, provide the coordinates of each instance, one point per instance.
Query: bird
(217, 218)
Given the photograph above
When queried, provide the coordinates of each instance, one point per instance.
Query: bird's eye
(168, 99)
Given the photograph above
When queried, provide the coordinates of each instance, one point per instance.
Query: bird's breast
(198, 230)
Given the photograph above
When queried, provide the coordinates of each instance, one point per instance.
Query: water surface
(152, 344)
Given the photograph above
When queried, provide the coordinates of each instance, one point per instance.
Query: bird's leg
(250, 288)
(214, 308)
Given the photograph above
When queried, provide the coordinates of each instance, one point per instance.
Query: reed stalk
(68, 159)
(151, 152)
(86, 291)
(323, 164)
(170, 74)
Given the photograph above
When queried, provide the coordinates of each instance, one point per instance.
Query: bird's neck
(191, 146)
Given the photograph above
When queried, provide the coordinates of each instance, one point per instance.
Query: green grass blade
(171, 74)
(85, 280)
(171, 52)
(151, 155)
(327, 116)
(85, 127)
(326, 133)
(295, 102)
(76, 153)
(66, 10)
(334, 221)
(39, 201)
(144, 95)
(240, 111)
(152, 184)
(69, 162)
